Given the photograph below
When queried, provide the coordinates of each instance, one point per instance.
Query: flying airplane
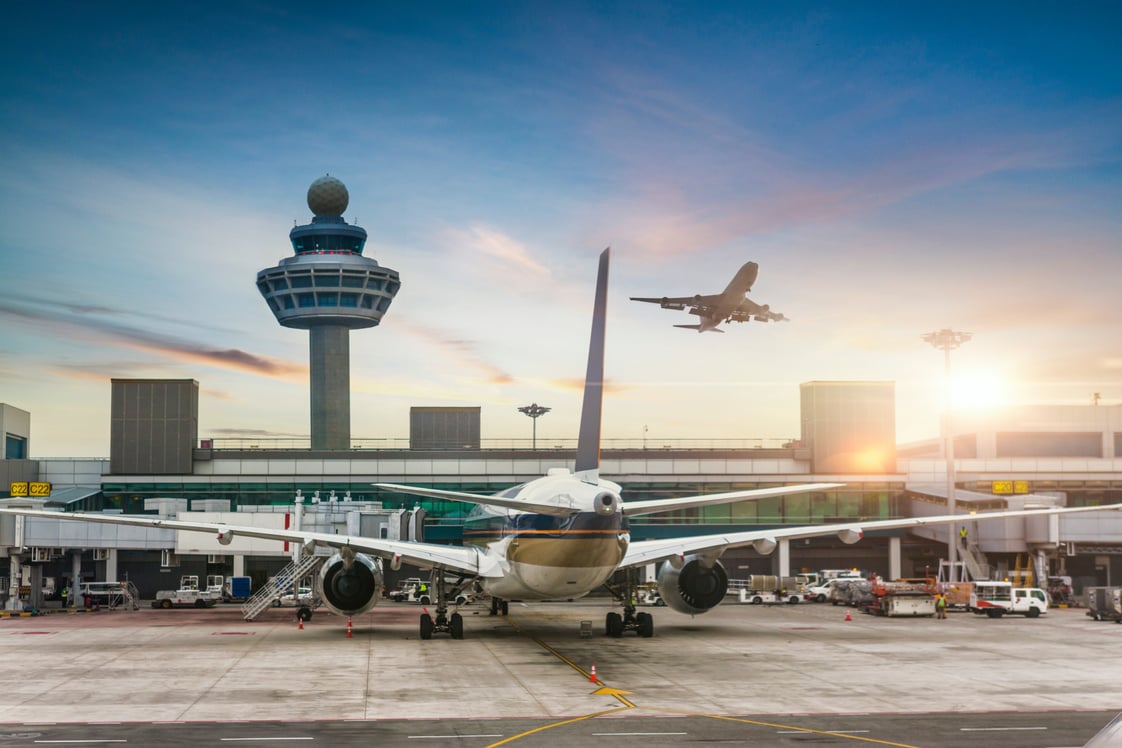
(560, 536)
(730, 305)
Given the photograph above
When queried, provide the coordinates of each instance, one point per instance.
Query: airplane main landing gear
(499, 606)
(442, 623)
(642, 623)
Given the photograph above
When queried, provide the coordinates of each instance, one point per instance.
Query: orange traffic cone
(848, 617)
(592, 675)
(349, 628)
(301, 626)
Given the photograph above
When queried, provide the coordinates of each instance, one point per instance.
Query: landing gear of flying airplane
(443, 623)
(627, 593)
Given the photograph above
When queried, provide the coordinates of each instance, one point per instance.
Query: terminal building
(1068, 456)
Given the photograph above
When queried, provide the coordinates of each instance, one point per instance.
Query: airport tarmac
(796, 665)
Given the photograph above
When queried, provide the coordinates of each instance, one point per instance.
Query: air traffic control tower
(328, 288)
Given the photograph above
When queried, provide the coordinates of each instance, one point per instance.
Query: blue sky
(892, 171)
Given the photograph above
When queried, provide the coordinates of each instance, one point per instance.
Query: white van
(995, 599)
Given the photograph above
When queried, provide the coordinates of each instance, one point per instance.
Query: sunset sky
(894, 169)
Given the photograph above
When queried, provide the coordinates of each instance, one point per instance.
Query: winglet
(587, 466)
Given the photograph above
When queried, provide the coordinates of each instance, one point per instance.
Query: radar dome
(328, 196)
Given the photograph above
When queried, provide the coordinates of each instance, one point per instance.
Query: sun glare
(979, 391)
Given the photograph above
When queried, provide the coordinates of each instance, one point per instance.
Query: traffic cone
(301, 626)
(592, 675)
(848, 617)
(349, 628)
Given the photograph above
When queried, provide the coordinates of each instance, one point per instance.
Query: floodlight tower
(948, 339)
(535, 411)
(328, 288)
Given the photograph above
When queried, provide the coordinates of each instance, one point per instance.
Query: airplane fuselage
(731, 297)
(546, 557)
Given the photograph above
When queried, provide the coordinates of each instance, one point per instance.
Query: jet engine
(692, 587)
(350, 586)
(850, 535)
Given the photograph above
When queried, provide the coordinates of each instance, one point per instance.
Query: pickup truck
(995, 599)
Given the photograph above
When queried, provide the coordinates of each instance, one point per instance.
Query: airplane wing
(749, 310)
(523, 505)
(424, 555)
(648, 551)
(700, 304)
(651, 506)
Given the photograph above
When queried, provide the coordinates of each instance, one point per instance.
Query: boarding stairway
(286, 581)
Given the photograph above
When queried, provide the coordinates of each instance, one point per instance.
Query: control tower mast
(328, 288)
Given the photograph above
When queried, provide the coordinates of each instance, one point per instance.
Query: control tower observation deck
(328, 288)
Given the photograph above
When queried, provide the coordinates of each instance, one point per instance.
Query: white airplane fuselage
(547, 557)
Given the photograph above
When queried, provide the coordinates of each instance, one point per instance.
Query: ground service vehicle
(901, 598)
(237, 589)
(184, 599)
(768, 597)
(1105, 603)
(995, 599)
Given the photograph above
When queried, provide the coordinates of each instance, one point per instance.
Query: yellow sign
(1006, 487)
(34, 488)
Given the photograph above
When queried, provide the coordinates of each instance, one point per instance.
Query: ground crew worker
(65, 594)
(941, 605)
(962, 534)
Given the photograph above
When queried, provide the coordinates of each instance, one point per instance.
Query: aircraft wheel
(457, 626)
(304, 613)
(505, 607)
(426, 626)
(646, 625)
(613, 625)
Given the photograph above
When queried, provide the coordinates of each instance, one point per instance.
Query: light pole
(534, 411)
(948, 339)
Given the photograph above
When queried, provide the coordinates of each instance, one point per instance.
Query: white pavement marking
(246, 740)
(605, 735)
(447, 737)
(998, 729)
(71, 742)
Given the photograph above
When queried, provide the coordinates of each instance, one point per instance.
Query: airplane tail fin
(698, 328)
(587, 465)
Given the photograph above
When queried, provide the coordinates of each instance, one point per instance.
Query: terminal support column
(894, 558)
(784, 555)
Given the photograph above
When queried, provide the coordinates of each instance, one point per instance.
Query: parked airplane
(730, 305)
(559, 536)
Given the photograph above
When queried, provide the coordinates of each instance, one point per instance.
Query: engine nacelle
(693, 587)
(606, 503)
(350, 588)
(225, 537)
(851, 535)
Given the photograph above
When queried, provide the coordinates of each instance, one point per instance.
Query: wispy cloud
(462, 351)
(81, 326)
